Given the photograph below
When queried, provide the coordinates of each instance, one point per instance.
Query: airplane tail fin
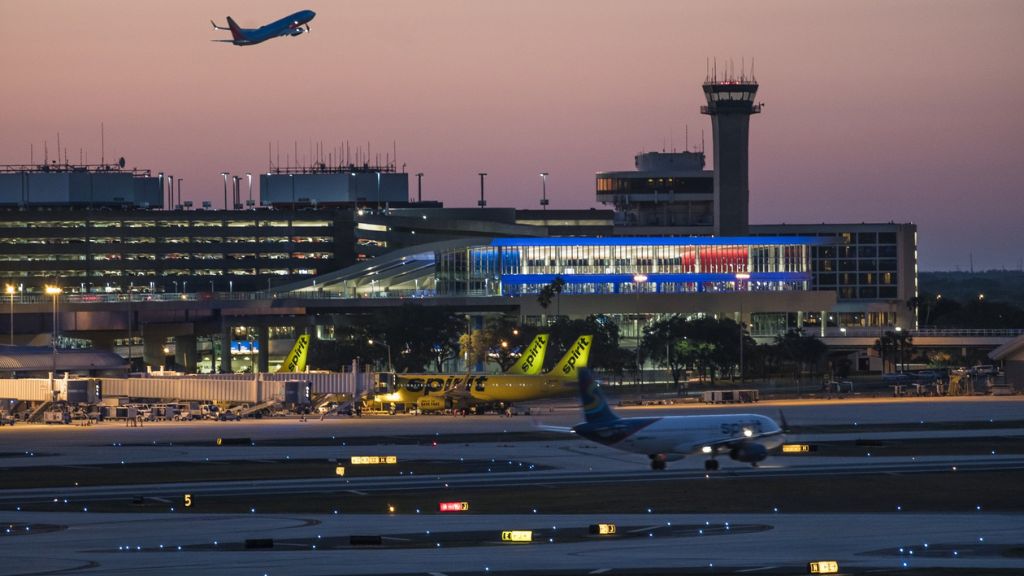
(575, 358)
(532, 360)
(295, 361)
(236, 31)
(595, 406)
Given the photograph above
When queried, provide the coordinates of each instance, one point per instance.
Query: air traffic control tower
(730, 104)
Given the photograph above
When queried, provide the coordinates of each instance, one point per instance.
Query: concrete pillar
(186, 352)
(263, 360)
(225, 350)
(153, 352)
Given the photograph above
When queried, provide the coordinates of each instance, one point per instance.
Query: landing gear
(711, 465)
(658, 461)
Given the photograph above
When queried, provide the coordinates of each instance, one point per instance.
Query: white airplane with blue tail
(743, 437)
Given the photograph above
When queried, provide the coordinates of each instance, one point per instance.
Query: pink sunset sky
(911, 111)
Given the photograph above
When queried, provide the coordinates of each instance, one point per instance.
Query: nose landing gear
(658, 461)
(711, 465)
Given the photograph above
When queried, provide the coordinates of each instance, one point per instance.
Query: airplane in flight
(744, 437)
(438, 391)
(288, 26)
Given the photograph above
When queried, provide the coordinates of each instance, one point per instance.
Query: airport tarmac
(95, 543)
(769, 543)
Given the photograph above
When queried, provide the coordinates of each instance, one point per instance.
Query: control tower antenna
(730, 103)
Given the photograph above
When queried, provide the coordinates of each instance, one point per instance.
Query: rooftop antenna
(103, 145)
(58, 148)
(31, 153)
(752, 77)
(687, 137)
(702, 141)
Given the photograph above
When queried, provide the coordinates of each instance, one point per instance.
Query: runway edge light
(339, 470)
(823, 567)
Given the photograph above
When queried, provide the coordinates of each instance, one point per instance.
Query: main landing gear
(658, 461)
(711, 465)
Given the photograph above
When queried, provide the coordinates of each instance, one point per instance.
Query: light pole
(482, 203)
(130, 328)
(639, 279)
(225, 176)
(249, 203)
(55, 292)
(177, 204)
(544, 190)
(386, 345)
(899, 347)
(10, 294)
(419, 187)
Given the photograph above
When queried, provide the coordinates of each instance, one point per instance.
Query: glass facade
(514, 266)
(104, 250)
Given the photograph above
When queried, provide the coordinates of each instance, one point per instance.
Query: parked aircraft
(288, 26)
(295, 361)
(437, 391)
(744, 437)
(532, 359)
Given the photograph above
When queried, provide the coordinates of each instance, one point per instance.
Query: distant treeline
(996, 285)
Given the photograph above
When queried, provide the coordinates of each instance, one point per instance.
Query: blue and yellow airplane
(287, 26)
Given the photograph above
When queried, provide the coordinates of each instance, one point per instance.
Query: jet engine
(297, 31)
(751, 452)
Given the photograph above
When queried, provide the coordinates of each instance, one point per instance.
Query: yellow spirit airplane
(533, 359)
(438, 391)
(295, 361)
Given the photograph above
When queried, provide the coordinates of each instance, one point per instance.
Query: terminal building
(676, 239)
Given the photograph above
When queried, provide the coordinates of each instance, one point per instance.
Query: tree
(665, 341)
(551, 292)
(711, 345)
(605, 353)
(802, 350)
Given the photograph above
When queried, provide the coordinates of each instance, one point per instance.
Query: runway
(100, 543)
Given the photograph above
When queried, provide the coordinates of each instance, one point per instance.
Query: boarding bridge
(230, 388)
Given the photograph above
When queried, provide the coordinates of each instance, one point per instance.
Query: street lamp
(899, 348)
(639, 279)
(225, 175)
(55, 292)
(386, 345)
(249, 202)
(10, 294)
(544, 190)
